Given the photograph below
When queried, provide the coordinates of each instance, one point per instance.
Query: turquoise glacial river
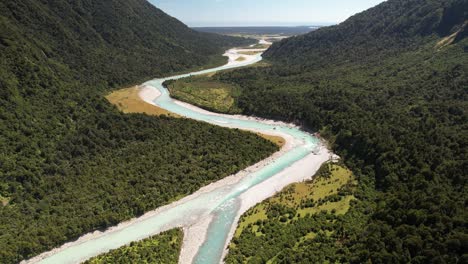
(222, 203)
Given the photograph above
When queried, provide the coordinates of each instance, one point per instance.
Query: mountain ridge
(388, 28)
(81, 33)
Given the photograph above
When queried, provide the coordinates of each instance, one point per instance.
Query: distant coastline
(259, 30)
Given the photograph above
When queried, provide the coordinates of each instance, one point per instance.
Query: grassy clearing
(128, 101)
(322, 190)
(254, 215)
(279, 141)
(299, 214)
(241, 58)
(162, 248)
(212, 95)
(206, 93)
(317, 195)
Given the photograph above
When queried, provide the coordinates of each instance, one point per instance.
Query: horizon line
(258, 26)
(261, 24)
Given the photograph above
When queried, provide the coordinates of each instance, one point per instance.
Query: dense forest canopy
(388, 89)
(70, 162)
(163, 248)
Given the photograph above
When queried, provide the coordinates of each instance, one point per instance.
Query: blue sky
(262, 12)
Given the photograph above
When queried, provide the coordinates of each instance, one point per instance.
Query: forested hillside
(385, 30)
(388, 89)
(70, 162)
(118, 40)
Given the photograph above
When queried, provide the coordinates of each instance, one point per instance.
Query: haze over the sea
(206, 13)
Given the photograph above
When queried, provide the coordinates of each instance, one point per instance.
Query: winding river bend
(208, 216)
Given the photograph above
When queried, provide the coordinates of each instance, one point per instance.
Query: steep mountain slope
(387, 29)
(387, 88)
(112, 38)
(71, 163)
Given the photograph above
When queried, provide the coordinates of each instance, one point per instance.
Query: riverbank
(297, 160)
(196, 234)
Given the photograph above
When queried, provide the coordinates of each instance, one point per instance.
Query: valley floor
(195, 212)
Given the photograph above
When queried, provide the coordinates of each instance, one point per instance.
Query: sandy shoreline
(194, 236)
(195, 228)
